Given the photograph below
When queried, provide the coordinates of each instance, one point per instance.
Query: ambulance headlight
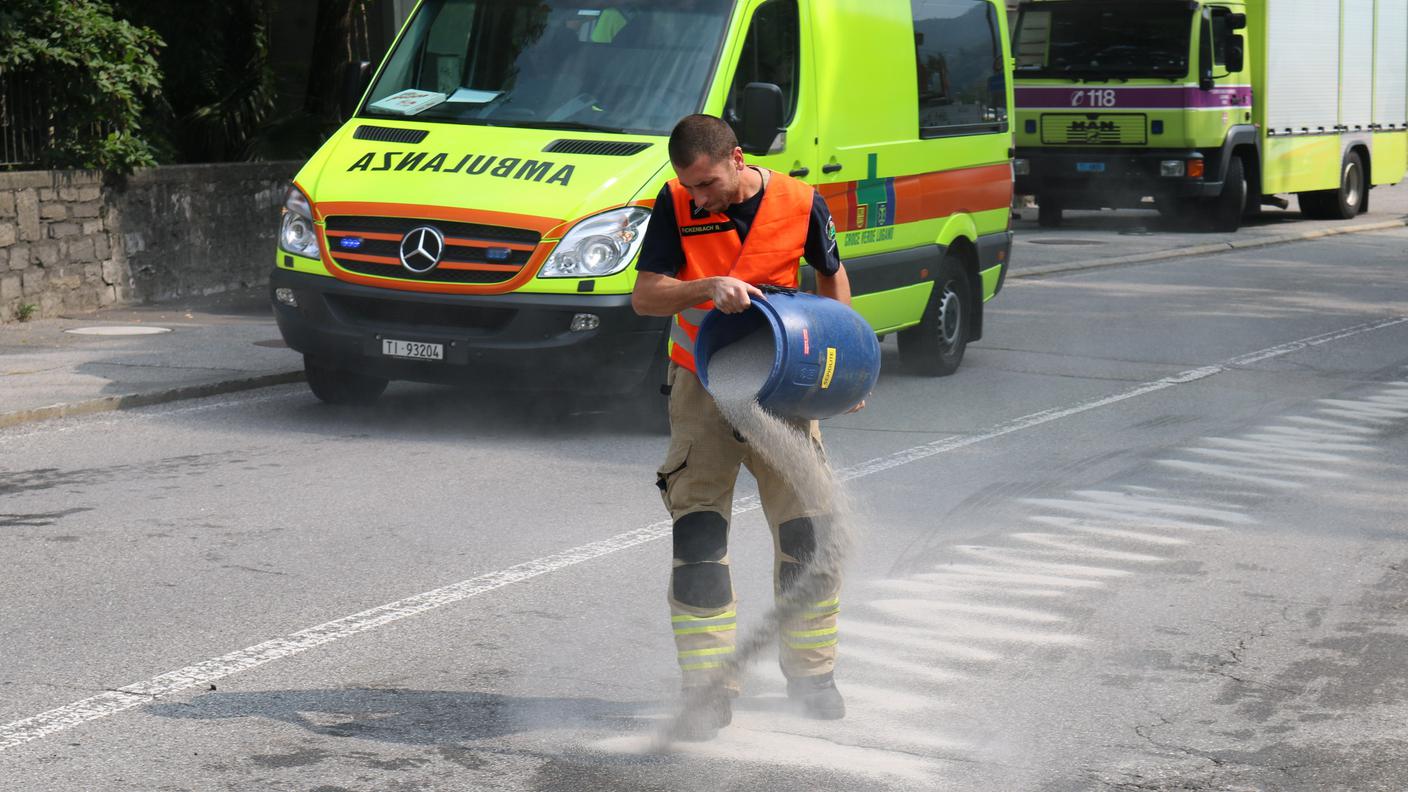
(598, 246)
(297, 235)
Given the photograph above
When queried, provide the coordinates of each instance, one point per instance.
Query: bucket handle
(768, 288)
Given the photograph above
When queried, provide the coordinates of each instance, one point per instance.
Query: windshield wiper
(574, 125)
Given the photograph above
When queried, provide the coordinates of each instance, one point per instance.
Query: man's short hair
(701, 135)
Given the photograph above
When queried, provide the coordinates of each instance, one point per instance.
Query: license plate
(414, 350)
(1090, 167)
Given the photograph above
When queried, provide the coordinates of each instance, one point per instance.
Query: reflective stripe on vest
(769, 257)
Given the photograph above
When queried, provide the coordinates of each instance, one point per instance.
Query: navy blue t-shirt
(661, 251)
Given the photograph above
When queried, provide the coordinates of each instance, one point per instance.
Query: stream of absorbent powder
(736, 373)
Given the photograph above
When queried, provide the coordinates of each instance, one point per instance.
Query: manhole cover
(273, 343)
(1065, 242)
(121, 330)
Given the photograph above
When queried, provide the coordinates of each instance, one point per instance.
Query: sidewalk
(201, 346)
(229, 342)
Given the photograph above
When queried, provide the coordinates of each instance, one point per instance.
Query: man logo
(421, 249)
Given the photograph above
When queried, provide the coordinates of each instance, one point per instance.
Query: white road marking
(200, 674)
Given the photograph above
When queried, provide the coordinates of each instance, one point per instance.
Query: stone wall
(76, 241)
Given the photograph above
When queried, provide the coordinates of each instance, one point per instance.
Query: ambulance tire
(339, 386)
(648, 406)
(935, 347)
(1224, 213)
(1048, 212)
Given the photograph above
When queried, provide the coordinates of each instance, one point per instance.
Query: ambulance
(1211, 108)
(476, 219)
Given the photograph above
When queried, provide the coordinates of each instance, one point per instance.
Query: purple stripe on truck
(1151, 98)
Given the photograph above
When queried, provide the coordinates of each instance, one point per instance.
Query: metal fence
(25, 128)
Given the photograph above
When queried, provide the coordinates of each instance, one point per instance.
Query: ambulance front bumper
(499, 341)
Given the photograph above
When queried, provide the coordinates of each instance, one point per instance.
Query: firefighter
(718, 231)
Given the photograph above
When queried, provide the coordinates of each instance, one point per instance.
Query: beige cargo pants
(696, 482)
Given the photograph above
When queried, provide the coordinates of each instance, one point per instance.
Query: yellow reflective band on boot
(818, 610)
(799, 639)
(702, 659)
(692, 625)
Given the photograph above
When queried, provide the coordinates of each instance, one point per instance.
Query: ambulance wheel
(934, 347)
(1048, 212)
(1224, 213)
(650, 406)
(339, 386)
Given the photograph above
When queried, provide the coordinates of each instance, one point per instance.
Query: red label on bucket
(806, 343)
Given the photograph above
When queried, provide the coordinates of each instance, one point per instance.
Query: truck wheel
(339, 386)
(1175, 211)
(1224, 213)
(1348, 200)
(1343, 203)
(1048, 213)
(934, 347)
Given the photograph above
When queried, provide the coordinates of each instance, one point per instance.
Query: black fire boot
(818, 696)
(703, 716)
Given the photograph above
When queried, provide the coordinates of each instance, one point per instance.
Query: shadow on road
(413, 717)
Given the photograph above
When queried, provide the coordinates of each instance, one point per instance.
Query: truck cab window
(1220, 37)
(959, 68)
(771, 54)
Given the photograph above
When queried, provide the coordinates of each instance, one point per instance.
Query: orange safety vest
(769, 256)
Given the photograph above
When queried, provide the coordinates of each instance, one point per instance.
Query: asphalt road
(1151, 537)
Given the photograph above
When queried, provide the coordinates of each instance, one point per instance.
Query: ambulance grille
(602, 148)
(1086, 129)
(475, 254)
(389, 134)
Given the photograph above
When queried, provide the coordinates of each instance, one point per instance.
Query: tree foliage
(93, 77)
(218, 87)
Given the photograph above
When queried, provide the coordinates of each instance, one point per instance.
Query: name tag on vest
(706, 228)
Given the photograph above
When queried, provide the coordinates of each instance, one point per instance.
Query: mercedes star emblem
(421, 249)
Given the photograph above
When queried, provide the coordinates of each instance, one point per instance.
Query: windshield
(1101, 40)
(627, 66)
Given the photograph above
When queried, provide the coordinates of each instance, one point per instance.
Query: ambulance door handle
(831, 167)
(799, 173)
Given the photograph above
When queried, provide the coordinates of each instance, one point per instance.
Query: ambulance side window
(958, 55)
(771, 54)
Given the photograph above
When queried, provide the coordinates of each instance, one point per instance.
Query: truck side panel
(1390, 154)
(1391, 65)
(1357, 65)
(1301, 72)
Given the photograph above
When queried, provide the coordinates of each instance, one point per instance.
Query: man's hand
(732, 295)
(857, 408)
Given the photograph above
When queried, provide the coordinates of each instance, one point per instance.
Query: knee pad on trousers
(701, 536)
(702, 585)
(797, 538)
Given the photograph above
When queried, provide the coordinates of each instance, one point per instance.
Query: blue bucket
(826, 358)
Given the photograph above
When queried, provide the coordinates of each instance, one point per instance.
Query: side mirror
(1236, 21)
(1236, 54)
(761, 116)
(356, 76)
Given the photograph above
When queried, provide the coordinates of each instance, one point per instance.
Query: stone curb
(134, 400)
(1207, 250)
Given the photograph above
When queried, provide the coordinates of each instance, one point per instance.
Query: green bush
(93, 75)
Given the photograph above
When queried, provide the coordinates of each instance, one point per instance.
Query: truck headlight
(600, 245)
(297, 234)
(1021, 167)
(1172, 169)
